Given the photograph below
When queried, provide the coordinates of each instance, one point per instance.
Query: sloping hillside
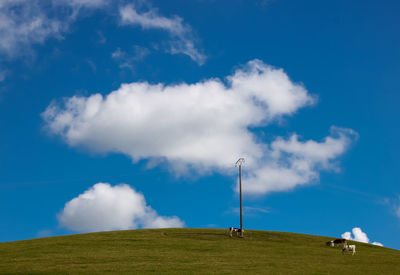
(192, 251)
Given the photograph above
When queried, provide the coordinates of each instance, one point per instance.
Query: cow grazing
(336, 242)
(339, 241)
(351, 248)
(234, 229)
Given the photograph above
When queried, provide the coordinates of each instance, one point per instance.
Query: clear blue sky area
(345, 53)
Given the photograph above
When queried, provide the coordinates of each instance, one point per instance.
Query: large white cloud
(106, 207)
(204, 126)
(358, 236)
(183, 40)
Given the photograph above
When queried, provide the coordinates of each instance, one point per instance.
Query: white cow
(347, 248)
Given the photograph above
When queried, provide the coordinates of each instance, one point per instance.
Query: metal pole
(239, 163)
(240, 186)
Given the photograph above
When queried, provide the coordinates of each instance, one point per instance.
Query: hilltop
(192, 251)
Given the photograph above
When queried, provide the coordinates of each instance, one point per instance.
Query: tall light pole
(239, 164)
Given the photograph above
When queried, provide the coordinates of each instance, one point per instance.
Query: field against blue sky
(132, 114)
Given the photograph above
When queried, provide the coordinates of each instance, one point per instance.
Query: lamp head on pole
(239, 162)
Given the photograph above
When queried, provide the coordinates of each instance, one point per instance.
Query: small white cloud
(151, 20)
(23, 23)
(27, 22)
(347, 236)
(106, 207)
(183, 40)
(358, 236)
(128, 60)
(291, 162)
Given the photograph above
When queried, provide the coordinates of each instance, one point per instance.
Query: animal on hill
(234, 229)
(336, 242)
(349, 248)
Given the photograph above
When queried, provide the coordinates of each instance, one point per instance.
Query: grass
(192, 251)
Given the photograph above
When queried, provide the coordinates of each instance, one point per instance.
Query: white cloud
(151, 20)
(27, 22)
(23, 23)
(347, 236)
(359, 236)
(128, 60)
(183, 41)
(203, 126)
(106, 207)
(291, 162)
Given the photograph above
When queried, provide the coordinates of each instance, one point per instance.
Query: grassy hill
(188, 250)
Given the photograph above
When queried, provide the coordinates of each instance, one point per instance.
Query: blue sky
(306, 91)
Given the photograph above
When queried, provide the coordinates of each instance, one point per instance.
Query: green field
(185, 251)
